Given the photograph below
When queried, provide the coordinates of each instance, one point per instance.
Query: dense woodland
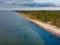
(46, 16)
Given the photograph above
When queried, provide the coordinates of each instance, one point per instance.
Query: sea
(16, 30)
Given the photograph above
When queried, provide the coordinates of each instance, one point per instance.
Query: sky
(16, 2)
(48, 1)
(37, 1)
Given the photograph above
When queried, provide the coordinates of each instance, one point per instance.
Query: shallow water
(16, 30)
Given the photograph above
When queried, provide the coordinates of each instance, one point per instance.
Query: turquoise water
(16, 30)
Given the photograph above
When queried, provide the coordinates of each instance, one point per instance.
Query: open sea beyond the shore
(16, 30)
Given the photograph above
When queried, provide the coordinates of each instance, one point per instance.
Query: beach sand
(48, 27)
(54, 30)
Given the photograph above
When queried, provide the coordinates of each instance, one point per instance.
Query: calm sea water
(16, 30)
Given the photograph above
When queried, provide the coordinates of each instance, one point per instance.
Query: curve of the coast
(50, 34)
(52, 29)
(50, 38)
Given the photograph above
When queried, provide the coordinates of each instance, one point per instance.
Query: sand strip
(52, 29)
(48, 27)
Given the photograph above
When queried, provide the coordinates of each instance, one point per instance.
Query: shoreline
(50, 28)
(47, 27)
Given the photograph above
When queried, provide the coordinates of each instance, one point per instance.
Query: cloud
(15, 1)
(10, 3)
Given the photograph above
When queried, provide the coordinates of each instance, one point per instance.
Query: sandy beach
(51, 28)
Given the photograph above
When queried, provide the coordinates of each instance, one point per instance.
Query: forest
(53, 17)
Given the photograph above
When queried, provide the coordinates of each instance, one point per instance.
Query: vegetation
(46, 16)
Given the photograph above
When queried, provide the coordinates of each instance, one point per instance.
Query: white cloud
(15, 1)
(48, 1)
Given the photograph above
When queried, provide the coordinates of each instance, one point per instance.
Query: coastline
(50, 28)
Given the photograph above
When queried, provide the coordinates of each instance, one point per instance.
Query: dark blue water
(16, 30)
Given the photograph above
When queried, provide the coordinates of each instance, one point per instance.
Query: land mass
(49, 20)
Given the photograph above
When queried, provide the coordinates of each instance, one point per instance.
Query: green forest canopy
(46, 16)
